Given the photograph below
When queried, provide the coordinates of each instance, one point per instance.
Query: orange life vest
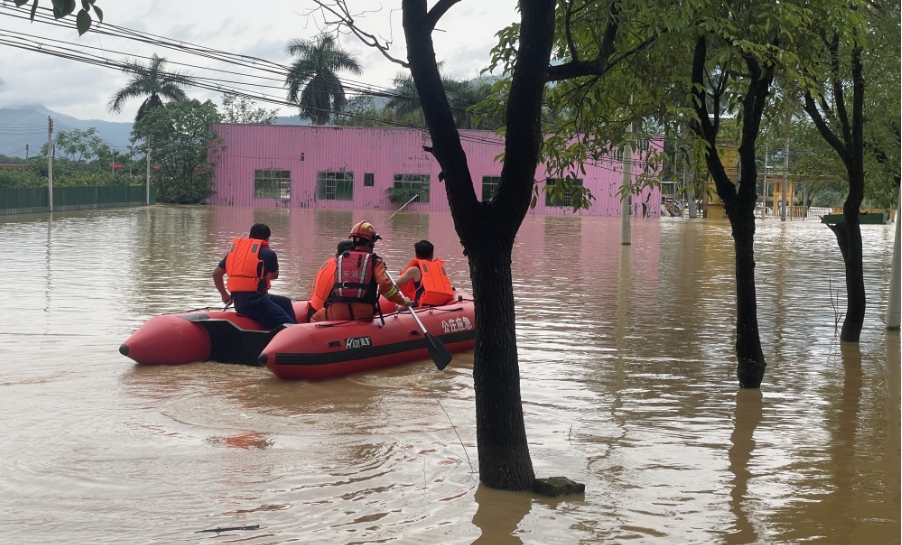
(244, 266)
(355, 279)
(434, 288)
(409, 289)
(323, 284)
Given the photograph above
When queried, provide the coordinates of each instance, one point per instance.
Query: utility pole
(785, 177)
(764, 199)
(805, 200)
(892, 307)
(26, 154)
(149, 144)
(625, 228)
(49, 163)
(689, 197)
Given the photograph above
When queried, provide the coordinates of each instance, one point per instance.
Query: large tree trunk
(487, 230)
(504, 460)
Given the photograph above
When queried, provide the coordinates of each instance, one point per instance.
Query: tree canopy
(181, 142)
(242, 110)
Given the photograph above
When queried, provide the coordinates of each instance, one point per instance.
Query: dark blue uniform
(270, 311)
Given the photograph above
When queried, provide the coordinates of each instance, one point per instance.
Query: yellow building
(729, 158)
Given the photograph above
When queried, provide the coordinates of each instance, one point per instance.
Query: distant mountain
(28, 125)
(290, 120)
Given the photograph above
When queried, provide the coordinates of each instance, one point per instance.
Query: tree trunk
(739, 204)
(848, 236)
(849, 145)
(504, 460)
(750, 369)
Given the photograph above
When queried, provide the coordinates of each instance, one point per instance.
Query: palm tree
(150, 81)
(462, 96)
(315, 70)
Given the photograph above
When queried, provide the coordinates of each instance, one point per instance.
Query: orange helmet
(364, 230)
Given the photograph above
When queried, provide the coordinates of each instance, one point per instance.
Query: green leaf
(61, 8)
(34, 8)
(83, 22)
(20, 3)
(99, 13)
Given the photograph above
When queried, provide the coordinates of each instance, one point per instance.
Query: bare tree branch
(839, 101)
(600, 64)
(568, 30)
(344, 18)
(437, 11)
(821, 124)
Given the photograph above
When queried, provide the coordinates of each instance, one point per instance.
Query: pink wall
(383, 152)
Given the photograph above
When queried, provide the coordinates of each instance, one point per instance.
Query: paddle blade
(438, 352)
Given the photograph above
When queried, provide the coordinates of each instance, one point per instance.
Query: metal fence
(21, 200)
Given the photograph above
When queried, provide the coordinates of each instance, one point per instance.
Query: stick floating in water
(231, 529)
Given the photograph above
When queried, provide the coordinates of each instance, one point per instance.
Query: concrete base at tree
(557, 486)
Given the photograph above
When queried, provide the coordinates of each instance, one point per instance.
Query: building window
(335, 186)
(369, 179)
(566, 199)
(489, 187)
(412, 184)
(272, 184)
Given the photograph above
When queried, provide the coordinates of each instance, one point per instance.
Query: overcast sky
(260, 29)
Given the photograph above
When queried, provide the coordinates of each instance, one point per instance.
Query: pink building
(356, 167)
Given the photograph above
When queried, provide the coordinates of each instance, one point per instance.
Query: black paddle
(437, 350)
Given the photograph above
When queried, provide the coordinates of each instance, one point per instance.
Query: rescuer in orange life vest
(325, 280)
(250, 265)
(359, 280)
(425, 280)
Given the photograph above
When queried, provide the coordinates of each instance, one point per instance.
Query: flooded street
(628, 382)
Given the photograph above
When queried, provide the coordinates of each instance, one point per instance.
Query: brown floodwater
(627, 375)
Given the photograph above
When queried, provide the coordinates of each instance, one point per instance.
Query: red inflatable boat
(302, 351)
(328, 349)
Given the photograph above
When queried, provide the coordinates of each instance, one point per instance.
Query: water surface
(628, 381)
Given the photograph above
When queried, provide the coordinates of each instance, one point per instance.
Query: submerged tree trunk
(504, 460)
(848, 237)
(750, 369)
(739, 203)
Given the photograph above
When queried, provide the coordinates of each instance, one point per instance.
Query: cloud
(84, 91)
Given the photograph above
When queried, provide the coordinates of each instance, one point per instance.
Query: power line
(44, 15)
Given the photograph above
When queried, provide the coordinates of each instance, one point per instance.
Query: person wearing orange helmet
(360, 278)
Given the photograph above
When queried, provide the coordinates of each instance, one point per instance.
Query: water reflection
(499, 514)
(746, 419)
